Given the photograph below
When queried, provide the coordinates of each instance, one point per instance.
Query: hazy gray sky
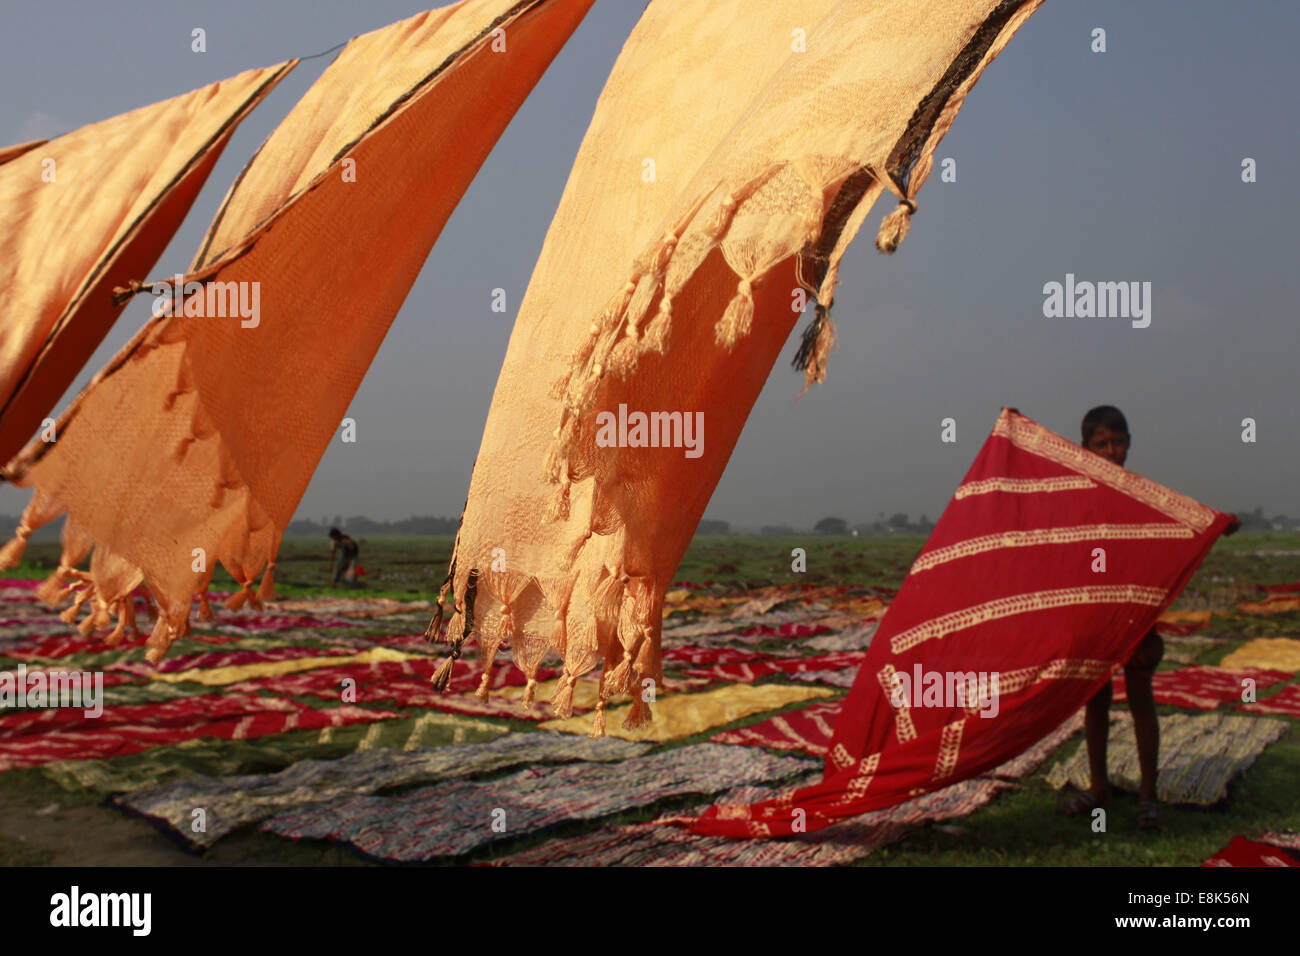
(1123, 165)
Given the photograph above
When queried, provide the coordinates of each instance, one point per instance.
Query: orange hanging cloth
(195, 444)
(89, 211)
(734, 154)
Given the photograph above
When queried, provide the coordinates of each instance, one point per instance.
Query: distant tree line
(359, 524)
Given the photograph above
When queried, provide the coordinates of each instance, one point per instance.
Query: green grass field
(41, 823)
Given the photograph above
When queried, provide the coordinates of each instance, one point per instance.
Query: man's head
(335, 533)
(1105, 433)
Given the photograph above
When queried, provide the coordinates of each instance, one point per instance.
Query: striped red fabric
(1045, 571)
(746, 672)
(1203, 688)
(32, 738)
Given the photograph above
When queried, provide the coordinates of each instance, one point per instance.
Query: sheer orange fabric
(734, 154)
(88, 211)
(196, 443)
(13, 152)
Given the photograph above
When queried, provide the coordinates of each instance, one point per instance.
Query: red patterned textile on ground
(212, 659)
(32, 738)
(1285, 702)
(1203, 688)
(808, 730)
(1243, 852)
(709, 656)
(749, 671)
(1046, 569)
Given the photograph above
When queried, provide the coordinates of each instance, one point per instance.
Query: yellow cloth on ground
(218, 676)
(1272, 653)
(684, 715)
(1275, 604)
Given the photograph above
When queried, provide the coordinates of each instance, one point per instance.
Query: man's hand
(1233, 527)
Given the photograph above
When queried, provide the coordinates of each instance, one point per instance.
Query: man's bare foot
(1148, 815)
(1079, 802)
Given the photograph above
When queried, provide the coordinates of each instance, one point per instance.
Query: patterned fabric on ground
(688, 714)
(655, 845)
(708, 656)
(405, 682)
(289, 663)
(232, 802)
(1201, 688)
(1183, 622)
(1286, 838)
(1244, 852)
(69, 735)
(210, 660)
(1199, 756)
(1285, 702)
(454, 818)
(748, 672)
(220, 758)
(808, 730)
(842, 678)
(65, 645)
(854, 638)
(1273, 604)
(1276, 653)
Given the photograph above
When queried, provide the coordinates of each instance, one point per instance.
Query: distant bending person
(345, 550)
(1105, 433)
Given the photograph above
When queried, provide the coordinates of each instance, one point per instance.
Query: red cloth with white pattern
(1011, 583)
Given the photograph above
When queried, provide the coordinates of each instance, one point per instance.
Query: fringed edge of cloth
(638, 319)
(490, 608)
(112, 583)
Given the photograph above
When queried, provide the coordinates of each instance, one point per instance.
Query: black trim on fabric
(907, 150)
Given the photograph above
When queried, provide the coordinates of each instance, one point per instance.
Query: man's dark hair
(335, 533)
(1103, 415)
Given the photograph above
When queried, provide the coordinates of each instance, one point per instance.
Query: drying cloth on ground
(1199, 756)
(725, 168)
(1203, 688)
(232, 802)
(1285, 702)
(1179, 623)
(749, 671)
(842, 678)
(810, 731)
(1273, 604)
(233, 717)
(221, 758)
(287, 664)
(849, 840)
(1007, 586)
(706, 656)
(855, 638)
(684, 715)
(457, 817)
(1276, 653)
(1244, 852)
(89, 211)
(204, 430)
